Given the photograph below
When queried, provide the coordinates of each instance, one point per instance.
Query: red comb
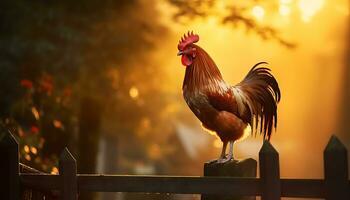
(187, 39)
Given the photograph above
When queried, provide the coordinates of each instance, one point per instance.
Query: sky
(310, 75)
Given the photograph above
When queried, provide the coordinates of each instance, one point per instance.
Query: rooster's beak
(180, 53)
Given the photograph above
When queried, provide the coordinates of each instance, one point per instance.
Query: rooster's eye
(193, 51)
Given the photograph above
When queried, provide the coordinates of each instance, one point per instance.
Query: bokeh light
(133, 92)
(258, 12)
(309, 8)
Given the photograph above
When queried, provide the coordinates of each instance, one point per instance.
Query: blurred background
(103, 78)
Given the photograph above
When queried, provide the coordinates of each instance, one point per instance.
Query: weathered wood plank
(269, 172)
(68, 172)
(303, 188)
(9, 166)
(307, 188)
(41, 181)
(169, 184)
(336, 170)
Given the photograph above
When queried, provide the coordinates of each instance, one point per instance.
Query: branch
(202, 9)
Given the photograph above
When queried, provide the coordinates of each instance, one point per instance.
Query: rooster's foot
(224, 159)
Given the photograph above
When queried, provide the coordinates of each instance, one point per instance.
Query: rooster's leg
(223, 157)
(223, 152)
(230, 153)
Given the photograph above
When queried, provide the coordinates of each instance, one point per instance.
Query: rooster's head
(187, 49)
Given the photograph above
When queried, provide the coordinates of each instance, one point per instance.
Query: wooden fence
(68, 184)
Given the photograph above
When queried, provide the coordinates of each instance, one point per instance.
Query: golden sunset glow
(301, 72)
(209, 131)
(217, 143)
(116, 84)
(284, 10)
(247, 132)
(286, 1)
(309, 8)
(258, 12)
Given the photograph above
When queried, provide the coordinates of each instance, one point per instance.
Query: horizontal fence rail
(335, 186)
(152, 184)
(39, 193)
(303, 188)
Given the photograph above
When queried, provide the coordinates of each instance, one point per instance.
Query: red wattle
(186, 60)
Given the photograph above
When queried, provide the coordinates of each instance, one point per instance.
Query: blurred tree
(83, 44)
(41, 118)
(230, 13)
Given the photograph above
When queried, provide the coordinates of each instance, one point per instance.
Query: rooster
(232, 112)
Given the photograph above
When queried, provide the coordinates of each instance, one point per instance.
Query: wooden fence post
(9, 166)
(269, 172)
(68, 173)
(336, 170)
(233, 168)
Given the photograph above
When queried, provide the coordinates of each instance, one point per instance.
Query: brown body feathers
(228, 110)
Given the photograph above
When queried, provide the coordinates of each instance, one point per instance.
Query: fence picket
(269, 172)
(335, 186)
(336, 170)
(9, 166)
(68, 173)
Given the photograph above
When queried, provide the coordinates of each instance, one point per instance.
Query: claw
(225, 159)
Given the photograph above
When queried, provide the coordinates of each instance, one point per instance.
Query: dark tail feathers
(262, 93)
